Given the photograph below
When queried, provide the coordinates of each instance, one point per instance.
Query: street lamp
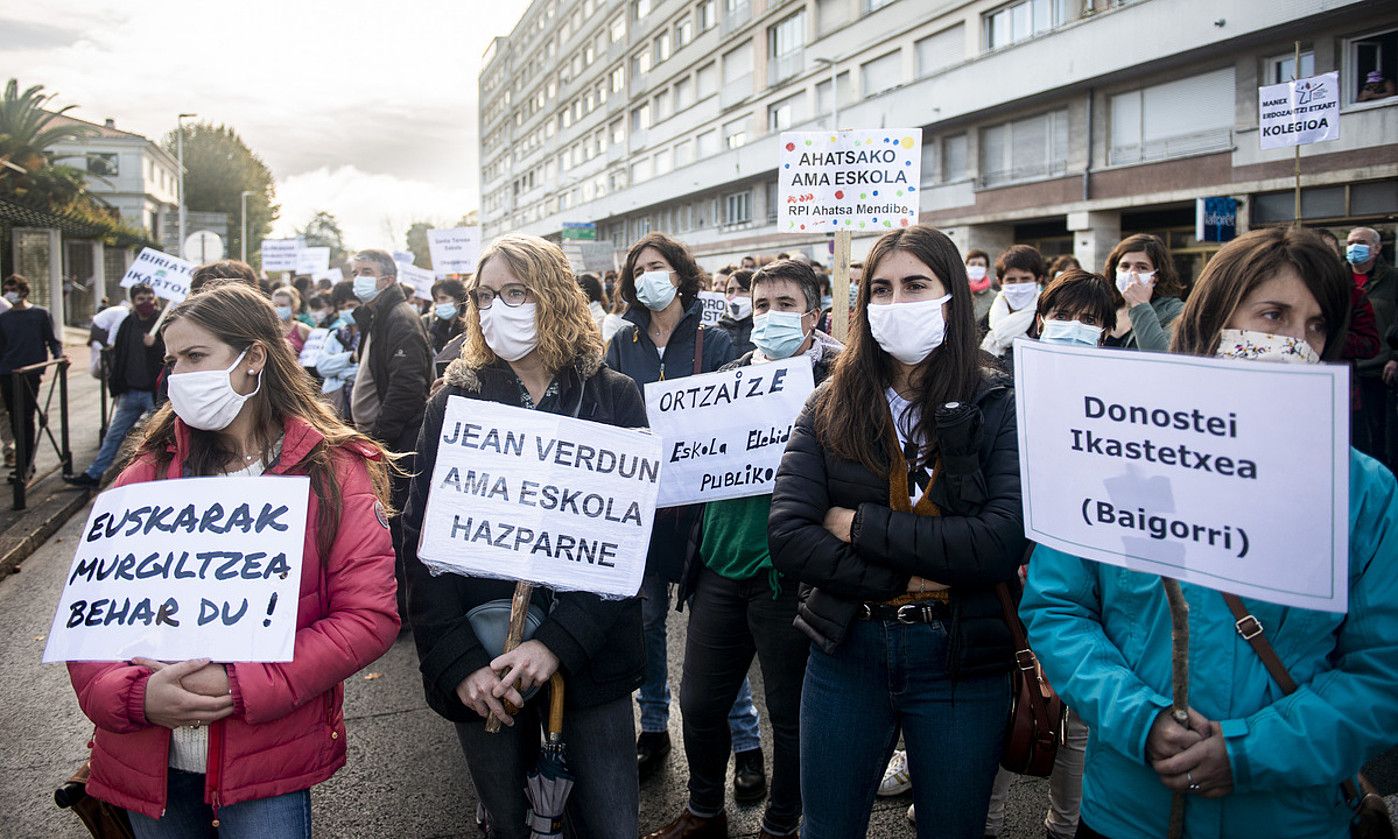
(179, 146)
(834, 92)
(244, 237)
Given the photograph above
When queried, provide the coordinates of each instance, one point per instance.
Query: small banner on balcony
(855, 180)
(1299, 112)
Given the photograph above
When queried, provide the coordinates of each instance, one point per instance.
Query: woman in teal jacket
(1253, 761)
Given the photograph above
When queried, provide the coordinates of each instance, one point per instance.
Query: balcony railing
(735, 92)
(784, 67)
(736, 16)
(1216, 139)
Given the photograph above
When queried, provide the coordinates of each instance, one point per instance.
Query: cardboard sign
(528, 495)
(723, 434)
(584, 256)
(1300, 112)
(334, 275)
(167, 275)
(419, 278)
(280, 254)
(849, 180)
(189, 569)
(1228, 474)
(403, 258)
(454, 250)
(315, 342)
(313, 261)
(713, 305)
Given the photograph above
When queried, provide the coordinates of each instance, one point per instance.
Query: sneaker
(82, 479)
(896, 779)
(912, 817)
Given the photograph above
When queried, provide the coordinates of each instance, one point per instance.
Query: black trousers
(21, 405)
(398, 486)
(1376, 432)
(730, 621)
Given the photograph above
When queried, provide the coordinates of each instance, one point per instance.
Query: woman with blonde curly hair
(531, 343)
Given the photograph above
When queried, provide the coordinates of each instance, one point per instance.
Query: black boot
(651, 750)
(749, 777)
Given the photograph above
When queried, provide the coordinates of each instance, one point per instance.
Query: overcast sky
(359, 110)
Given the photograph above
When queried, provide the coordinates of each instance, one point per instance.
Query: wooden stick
(1179, 667)
(555, 724)
(519, 610)
(839, 287)
(164, 310)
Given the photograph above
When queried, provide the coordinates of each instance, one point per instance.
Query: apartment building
(1061, 123)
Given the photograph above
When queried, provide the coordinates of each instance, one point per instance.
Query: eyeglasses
(514, 294)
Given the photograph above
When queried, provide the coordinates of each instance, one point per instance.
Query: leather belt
(909, 613)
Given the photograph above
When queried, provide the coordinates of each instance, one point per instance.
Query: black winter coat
(400, 363)
(597, 641)
(969, 553)
(740, 330)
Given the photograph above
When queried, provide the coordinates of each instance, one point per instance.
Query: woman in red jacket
(194, 745)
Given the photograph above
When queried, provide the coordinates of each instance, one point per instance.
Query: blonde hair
(291, 292)
(565, 326)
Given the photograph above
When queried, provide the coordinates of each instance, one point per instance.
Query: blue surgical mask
(778, 334)
(446, 311)
(1357, 253)
(284, 312)
(826, 301)
(654, 290)
(366, 288)
(1071, 333)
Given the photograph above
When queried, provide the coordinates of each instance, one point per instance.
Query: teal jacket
(1103, 636)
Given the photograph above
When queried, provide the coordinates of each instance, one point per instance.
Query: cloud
(374, 209)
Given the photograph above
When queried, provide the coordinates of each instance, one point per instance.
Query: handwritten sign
(712, 306)
(281, 254)
(419, 278)
(1177, 465)
(334, 275)
(723, 434)
(169, 276)
(313, 260)
(1299, 113)
(184, 572)
(454, 250)
(528, 495)
(315, 342)
(849, 180)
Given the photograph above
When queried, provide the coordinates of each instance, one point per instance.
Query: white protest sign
(403, 257)
(455, 249)
(1228, 474)
(1300, 112)
(174, 572)
(313, 260)
(280, 254)
(529, 495)
(849, 180)
(334, 275)
(723, 434)
(167, 275)
(419, 278)
(315, 342)
(712, 306)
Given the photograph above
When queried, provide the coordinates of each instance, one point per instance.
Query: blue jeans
(130, 407)
(186, 815)
(883, 677)
(654, 695)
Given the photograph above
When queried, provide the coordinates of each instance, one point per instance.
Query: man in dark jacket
(1377, 433)
(137, 358)
(395, 368)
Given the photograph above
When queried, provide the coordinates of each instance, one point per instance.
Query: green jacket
(1150, 324)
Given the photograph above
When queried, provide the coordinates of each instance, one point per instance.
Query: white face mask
(205, 399)
(1020, 295)
(509, 330)
(975, 273)
(1264, 346)
(740, 307)
(1071, 332)
(654, 290)
(1125, 278)
(909, 331)
(12, 297)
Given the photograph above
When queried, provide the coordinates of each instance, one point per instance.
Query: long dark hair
(852, 420)
(1247, 262)
(679, 258)
(240, 317)
(1167, 279)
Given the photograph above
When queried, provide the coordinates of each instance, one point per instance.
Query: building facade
(1060, 123)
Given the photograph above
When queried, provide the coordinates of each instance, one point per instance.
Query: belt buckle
(1249, 627)
(1025, 660)
(866, 612)
(908, 614)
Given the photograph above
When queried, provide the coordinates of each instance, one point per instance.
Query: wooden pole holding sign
(839, 287)
(1179, 677)
(519, 610)
(160, 319)
(1296, 74)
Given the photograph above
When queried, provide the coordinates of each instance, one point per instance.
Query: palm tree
(26, 135)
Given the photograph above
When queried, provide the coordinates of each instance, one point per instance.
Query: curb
(56, 505)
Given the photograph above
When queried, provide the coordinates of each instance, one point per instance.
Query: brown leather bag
(1035, 728)
(103, 820)
(1370, 819)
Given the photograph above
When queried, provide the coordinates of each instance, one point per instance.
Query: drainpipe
(1087, 169)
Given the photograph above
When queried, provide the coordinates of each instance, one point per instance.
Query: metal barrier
(106, 400)
(24, 396)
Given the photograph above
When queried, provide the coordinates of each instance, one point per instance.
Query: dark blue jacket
(632, 352)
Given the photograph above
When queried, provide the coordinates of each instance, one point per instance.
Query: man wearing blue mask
(740, 605)
(1376, 432)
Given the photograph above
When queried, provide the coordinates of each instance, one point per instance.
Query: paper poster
(189, 569)
(281, 254)
(856, 180)
(420, 279)
(723, 434)
(454, 250)
(313, 261)
(168, 276)
(315, 342)
(713, 304)
(1228, 474)
(1300, 112)
(529, 495)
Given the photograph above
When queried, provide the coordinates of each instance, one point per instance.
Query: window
(844, 94)
(640, 63)
(737, 64)
(785, 41)
(640, 118)
(832, 14)
(660, 48)
(736, 13)
(786, 113)
(883, 73)
(1283, 67)
(706, 81)
(770, 193)
(618, 78)
(1374, 55)
(684, 153)
(617, 130)
(708, 143)
(875, 5)
(664, 105)
(641, 170)
(953, 158)
(735, 133)
(618, 29)
(664, 162)
(1186, 116)
(684, 31)
(1024, 19)
(1025, 149)
(103, 164)
(937, 52)
(643, 8)
(706, 13)
(684, 94)
(737, 207)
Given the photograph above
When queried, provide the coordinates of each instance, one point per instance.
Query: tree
(219, 166)
(417, 243)
(323, 231)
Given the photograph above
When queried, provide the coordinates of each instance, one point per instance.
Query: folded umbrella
(550, 782)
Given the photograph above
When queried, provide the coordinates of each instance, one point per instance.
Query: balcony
(736, 16)
(1216, 139)
(780, 68)
(735, 91)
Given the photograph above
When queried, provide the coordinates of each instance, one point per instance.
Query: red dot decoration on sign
(839, 194)
(905, 222)
(803, 227)
(791, 147)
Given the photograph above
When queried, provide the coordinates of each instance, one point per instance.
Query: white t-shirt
(906, 416)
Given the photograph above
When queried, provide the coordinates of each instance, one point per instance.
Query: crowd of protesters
(864, 585)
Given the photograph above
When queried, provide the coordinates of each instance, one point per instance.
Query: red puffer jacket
(287, 729)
